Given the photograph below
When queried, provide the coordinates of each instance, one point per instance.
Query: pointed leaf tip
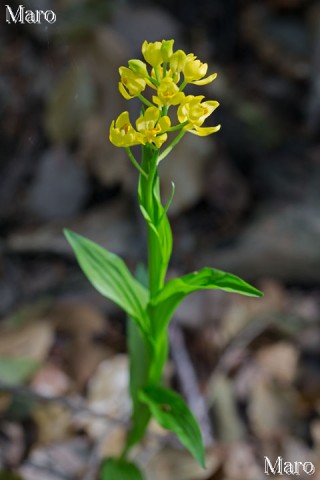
(109, 275)
(172, 413)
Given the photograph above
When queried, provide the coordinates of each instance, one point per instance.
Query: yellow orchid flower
(152, 53)
(168, 93)
(153, 127)
(177, 61)
(194, 71)
(131, 84)
(195, 113)
(122, 133)
(157, 52)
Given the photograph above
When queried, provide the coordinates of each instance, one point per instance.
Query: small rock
(281, 243)
(60, 187)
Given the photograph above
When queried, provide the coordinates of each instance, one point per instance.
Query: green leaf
(110, 276)
(16, 370)
(117, 469)
(172, 413)
(163, 305)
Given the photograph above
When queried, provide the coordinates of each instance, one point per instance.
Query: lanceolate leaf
(172, 413)
(117, 469)
(111, 277)
(174, 291)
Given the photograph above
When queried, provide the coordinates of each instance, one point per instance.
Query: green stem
(153, 253)
(147, 190)
(178, 127)
(164, 110)
(183, 84)
(145, 100)
(135, 163)
(156, 71)
(171, 146)
(153, 80)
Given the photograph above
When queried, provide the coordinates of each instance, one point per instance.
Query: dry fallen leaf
(271, 409)
(178, 464)
(279, 361)
(78, 324)
(31, 341)
(53, 421)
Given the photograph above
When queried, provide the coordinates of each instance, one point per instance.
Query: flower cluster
(167, 75)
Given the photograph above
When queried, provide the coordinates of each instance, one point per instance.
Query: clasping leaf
(172, 413)
(166, 301)
(110, 276)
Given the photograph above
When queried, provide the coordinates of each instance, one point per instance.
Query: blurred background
(247, 201)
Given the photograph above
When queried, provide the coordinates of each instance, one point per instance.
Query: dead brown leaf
(32, 340)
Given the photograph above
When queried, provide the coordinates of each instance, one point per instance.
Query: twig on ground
(240, 343)
(188, 381)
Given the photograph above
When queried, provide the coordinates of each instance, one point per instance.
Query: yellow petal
(206, 80)
(152, 114)
(124, 92)
(152, 53)
(158, 141)
(164, 123)
(204, 131)
(123, 119)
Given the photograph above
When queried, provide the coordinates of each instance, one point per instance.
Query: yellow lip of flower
(195, 113)
(204, 131)
(153, 127)
(194, 71)
(131, 84)
(168, 93)
(122, 133)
